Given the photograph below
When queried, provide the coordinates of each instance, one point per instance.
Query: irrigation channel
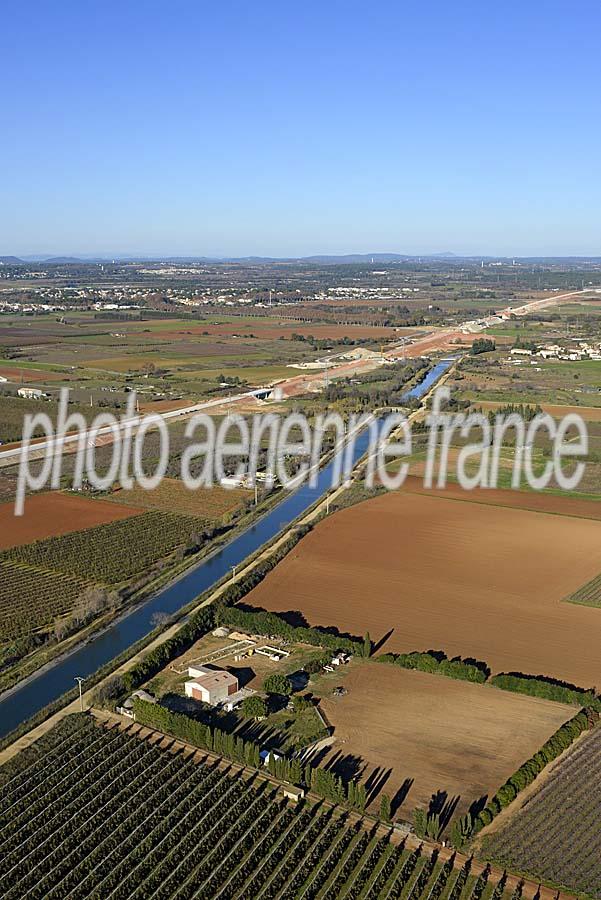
(27, 699)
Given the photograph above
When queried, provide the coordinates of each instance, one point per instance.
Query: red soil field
(442, 341)
(55, 513)
(164, 405)
(476, 736)
(467, 578)
(13, 373)
(534, 500)
(588, 413)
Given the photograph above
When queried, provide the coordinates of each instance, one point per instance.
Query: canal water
(29, 698)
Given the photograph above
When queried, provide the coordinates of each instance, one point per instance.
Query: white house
(212, 686)
(32, 394)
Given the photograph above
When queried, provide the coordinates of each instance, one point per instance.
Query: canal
(29, 698)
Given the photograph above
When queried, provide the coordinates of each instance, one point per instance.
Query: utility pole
(79, 680)
(233, 573)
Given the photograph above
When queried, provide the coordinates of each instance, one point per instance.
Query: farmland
(44, 579)
(31, 597)
(475, 736)
(172, 495)
(55, 513)
(555, 836)
(113, 552)
(428, 571)
(14, 409)
(589, 594)
(90, 812)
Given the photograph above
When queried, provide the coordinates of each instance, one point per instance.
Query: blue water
(431, 378)
(31, 697)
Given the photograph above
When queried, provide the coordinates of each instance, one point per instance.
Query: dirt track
(467, 578)
(476, 736)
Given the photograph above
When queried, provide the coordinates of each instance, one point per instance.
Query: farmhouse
(31, 394)
(215, 687)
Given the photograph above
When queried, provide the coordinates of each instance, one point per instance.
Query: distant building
(32, 394)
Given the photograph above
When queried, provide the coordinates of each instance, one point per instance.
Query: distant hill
(324, 259)
(64, 260)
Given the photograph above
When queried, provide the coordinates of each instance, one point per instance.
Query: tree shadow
(379, 644)
(443, 807)
(347, 765)
(375, 782)
(478, 805)
(401, 795)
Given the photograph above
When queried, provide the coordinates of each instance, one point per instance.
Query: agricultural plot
(173, 496)
(589, 594)
(14, 409)
(114, 552)
(55, 513)
(8, 487)
(476, 736)
(31, 597)
(431, 572)
(556, 836)
(497, 378)
(88, 812)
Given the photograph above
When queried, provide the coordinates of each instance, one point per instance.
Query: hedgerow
(547, 688)
(438, 664)
(260, 622)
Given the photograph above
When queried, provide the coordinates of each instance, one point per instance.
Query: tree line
(438, 663)
(248, 753)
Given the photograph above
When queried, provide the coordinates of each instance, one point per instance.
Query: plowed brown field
(467, 578)
(559, 504)
(476, 736)
(55, 513)
(588, 413)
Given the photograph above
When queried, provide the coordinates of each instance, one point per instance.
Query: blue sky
(294, 128)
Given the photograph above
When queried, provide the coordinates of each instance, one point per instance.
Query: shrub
(278, 684)
(254, 707)
(110, 690)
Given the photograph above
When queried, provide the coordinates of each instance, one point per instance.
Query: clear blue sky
(238, 128)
